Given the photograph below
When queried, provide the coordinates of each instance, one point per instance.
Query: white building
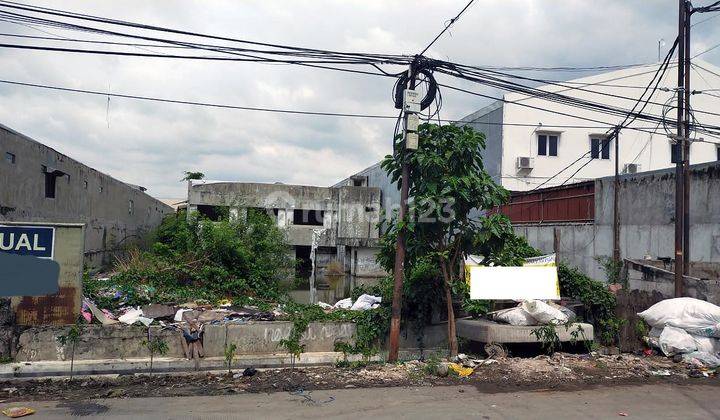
(530, 139)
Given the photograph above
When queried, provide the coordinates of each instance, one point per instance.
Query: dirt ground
(562, 371)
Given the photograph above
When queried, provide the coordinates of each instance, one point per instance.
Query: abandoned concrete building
(332, 230)
(40, 184)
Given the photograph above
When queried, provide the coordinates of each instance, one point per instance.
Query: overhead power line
(447, 26)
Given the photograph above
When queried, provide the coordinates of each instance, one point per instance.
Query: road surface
(452, 402)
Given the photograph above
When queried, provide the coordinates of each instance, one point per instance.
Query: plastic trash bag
(702, 359)
(544, 313)
(707, 344)
(675, 340)
(365, 302)
(695, 316)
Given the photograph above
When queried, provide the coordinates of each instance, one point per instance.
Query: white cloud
(152, 143)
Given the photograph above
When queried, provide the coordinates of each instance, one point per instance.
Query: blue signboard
(36, 241)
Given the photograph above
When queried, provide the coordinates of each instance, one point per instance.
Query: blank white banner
(516, 283)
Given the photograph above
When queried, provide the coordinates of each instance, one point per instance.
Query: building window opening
(131, 207)
(10, 158)
(600, 148)
(308, 217)
(547, 144)
(303, 268)
(214, 213)
(50, 179)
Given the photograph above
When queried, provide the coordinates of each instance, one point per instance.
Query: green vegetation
(598, 300)
(612, 269)
(192, 176)
(371, 325)
(197, 259)
(72, 337)
(230, 356)
(155, 345)
(447, 182)
(548, 337)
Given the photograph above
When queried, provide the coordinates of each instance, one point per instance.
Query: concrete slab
(486, 331)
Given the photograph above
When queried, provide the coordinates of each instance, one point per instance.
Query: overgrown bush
(198, 259)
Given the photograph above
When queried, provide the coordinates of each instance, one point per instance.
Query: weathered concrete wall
(124, 342)
(646, 277)
(647, 211)
(114, 212)
(350, 213)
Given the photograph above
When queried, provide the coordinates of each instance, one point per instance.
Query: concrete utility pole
(616, 195)
(681, 149)
(686, 144)
(398, 269)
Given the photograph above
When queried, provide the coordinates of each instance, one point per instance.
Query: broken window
(131, 207)
(10, 158)
(308, 217)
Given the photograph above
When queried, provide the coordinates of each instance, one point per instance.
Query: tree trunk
(452, 335)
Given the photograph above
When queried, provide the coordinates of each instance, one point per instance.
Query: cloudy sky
(151, 144)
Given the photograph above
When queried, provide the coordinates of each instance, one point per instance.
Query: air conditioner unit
(524, 162)
(632, 168)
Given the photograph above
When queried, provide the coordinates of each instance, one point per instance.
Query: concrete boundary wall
(126, 342)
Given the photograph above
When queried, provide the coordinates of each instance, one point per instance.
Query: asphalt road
(461, 402)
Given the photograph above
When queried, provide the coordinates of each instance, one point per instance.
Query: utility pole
(616, 195)
(679, 162)
(398, 269)
(686, 144)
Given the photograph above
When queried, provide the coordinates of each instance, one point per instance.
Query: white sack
(365, 302)
(696, 316)
(676, 341)
(544, 313)
(707, 344)
(514, 316)
(344, 303)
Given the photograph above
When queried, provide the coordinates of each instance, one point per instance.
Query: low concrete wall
(124, 342)
(648, 278)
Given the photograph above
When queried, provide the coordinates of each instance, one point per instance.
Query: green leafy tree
(192, 176)
(450, 194)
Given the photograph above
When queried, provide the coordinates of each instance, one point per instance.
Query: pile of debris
(363, 303)
(686, 329)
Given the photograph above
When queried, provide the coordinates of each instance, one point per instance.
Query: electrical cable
(450, 23)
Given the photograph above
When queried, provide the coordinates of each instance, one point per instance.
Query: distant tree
(192, 176)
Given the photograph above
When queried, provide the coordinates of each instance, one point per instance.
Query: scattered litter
(534, 312)
(130, 317)
(463, 372)
(251, 371)
(621, 414)
(14, 412)
(663, 372)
